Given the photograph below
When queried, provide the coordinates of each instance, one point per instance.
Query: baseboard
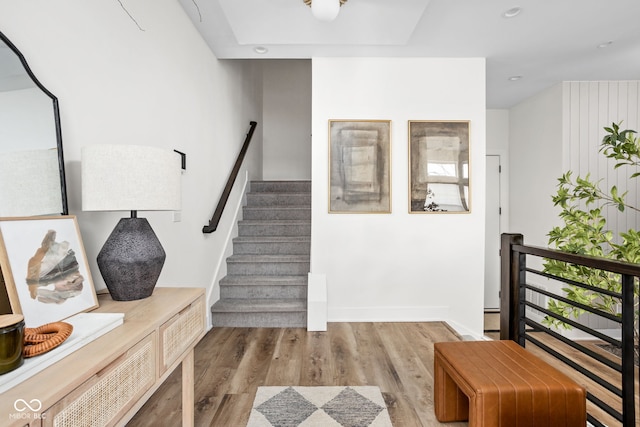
(388, 314)
(401, 314)
(466, 333)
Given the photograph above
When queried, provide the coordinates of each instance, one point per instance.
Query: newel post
(509, 286)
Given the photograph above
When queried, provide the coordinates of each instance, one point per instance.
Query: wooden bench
(499, 383)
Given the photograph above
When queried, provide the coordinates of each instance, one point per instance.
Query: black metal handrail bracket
(516, 326)
(224, 197)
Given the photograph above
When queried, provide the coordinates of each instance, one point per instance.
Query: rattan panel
(104, 400)
(178, 333)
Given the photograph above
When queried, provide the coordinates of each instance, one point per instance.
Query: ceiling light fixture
(514, 78)
(325, 10)
(260, 49)
(512, 13)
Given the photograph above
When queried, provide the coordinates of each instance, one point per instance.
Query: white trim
(388, 314)
(466, 334)
(219, 272)
(316, 302)
(504, 186)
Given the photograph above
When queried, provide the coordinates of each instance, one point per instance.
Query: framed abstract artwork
(359, 166)
(439, 167)
(45, 269)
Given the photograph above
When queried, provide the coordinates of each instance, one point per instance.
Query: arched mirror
(32, 178)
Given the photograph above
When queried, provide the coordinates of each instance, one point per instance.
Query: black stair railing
(519, 288)
(224, 197)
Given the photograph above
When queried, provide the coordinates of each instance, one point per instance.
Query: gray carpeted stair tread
(281, 185)
(276, 213)
(268, 258)
(282, 202)
(267, 245)
(278, 199)
(274, 227)
(272, 239)
(263, 287)
(289, 319)
(274, 221)
(292, 280)
(292, 194)
(279, 207)
(288, 193)
(259, 305)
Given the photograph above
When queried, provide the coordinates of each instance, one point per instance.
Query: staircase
(266, 282)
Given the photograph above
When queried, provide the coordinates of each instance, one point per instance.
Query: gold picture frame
(439, 166)
(45, 269)
(360, 166)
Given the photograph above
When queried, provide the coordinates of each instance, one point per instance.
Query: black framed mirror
(32, 173)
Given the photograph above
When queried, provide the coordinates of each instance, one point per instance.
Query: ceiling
(548, 42)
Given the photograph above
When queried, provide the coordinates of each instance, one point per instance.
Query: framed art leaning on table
(45, 268)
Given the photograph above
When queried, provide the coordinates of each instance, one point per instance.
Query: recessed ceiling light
(514, 78)
(605, 44)
(260, 49)
(512, 13)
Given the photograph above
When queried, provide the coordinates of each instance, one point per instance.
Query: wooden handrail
(215, 220)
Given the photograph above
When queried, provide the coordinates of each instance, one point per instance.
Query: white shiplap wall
(588, 108)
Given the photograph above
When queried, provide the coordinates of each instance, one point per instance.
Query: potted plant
(585, 232)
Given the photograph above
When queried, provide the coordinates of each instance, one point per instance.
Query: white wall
(400, 266)
(157, 86)
(287, 119)
(497, 131)
(535, 164)
(561, 129)
(588, 107)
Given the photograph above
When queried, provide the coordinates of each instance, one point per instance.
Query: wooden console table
(108, 380)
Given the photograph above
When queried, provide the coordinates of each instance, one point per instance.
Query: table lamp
(130, 178)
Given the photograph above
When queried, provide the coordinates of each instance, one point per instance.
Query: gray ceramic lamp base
(131, 260)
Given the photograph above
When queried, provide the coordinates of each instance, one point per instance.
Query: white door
(492, 236)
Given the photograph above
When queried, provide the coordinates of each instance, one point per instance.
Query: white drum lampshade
(130, 178)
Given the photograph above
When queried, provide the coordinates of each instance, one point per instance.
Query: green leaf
(584, 231)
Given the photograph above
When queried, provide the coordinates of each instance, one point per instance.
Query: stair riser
(263, 292)
(271, 248)
(276, 213)
(280, 186)
(297, 280)
(267, 229)
(268, 268)
(278, 199)
(260, 320)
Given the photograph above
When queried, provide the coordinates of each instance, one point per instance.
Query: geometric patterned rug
(361, 406)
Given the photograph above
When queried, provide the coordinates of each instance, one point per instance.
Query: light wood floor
(230, 363)
(492, 325)
(608, 374)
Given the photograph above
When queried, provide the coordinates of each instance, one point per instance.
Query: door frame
(504, 187)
